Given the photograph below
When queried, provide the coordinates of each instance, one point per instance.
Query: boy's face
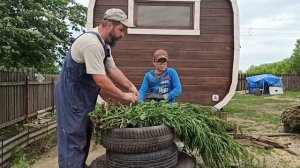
(161, 64)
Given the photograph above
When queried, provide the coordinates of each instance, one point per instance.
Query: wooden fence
(18, 142)
(289, 81)
(21, 96)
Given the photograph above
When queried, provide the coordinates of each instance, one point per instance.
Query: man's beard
(111, 39)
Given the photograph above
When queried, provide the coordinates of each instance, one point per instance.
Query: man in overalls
(83, 74)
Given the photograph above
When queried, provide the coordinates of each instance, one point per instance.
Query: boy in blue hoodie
(163, 82)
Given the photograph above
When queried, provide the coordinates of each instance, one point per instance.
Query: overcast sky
(269, 30)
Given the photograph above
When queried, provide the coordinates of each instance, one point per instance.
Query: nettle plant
(198, 127)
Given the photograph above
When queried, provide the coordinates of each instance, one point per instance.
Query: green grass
(11, 131)
(254, 162)
(252, 115)
(292, 94)
(260, 151)
(243, 105)
(251, 129)
(19, 160)
(28, 155)
(284, 163)
(263, 110)
(255, 100)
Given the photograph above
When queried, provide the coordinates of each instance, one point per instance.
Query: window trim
(191, 16)
(196, 14)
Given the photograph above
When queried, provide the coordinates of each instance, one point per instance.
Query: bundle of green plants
(198, 127)
(291, 119)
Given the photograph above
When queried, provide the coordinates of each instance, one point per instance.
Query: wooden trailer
(201, 37)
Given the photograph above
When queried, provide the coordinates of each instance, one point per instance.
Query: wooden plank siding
(203, 62)
(22, 98)
(291, 82)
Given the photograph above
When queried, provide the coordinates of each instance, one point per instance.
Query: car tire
(138, 140)
(166, 158)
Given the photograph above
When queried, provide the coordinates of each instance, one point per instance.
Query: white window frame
(196, 30)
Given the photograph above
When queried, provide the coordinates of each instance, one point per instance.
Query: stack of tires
(140, 147)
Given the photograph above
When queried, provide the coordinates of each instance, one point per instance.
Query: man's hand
(133, 89)
(131, 97)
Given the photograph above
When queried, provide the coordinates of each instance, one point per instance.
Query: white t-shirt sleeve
(110, 63)
(94, 57)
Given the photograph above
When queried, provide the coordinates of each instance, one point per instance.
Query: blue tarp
(263, 82)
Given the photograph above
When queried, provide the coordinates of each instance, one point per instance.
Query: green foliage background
(35, 33)
(287, 66)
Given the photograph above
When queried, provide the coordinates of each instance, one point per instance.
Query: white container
(275, 90)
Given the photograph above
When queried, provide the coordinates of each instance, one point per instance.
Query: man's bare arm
(107, 85)
(118, 76)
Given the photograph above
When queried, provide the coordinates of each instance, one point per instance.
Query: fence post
(245, 82)
(2, 157)
(28, 132)
(27, 98)
(52, 90)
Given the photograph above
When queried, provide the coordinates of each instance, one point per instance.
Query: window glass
(164, 16)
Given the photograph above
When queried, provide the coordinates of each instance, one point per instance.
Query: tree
(281, 67)
(287, 66)
(35, 33)
(295, 58)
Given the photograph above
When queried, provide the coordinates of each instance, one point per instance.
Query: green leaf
(196, 126)
(143, 116)
(38, 32)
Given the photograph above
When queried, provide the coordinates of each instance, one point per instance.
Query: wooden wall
(203, 62)
(22, 96)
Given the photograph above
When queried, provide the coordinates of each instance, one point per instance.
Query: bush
(291, 119)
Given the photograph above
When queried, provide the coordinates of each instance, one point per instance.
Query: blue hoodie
(168, 83)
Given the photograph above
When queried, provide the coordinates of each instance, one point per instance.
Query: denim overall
(75, 96)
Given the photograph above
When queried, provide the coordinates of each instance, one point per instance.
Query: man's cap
(117, 15)
(158, 54)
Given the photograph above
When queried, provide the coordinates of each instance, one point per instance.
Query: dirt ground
(273, 158)
(50, 158)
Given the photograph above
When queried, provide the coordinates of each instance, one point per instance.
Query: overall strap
(105, 48)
